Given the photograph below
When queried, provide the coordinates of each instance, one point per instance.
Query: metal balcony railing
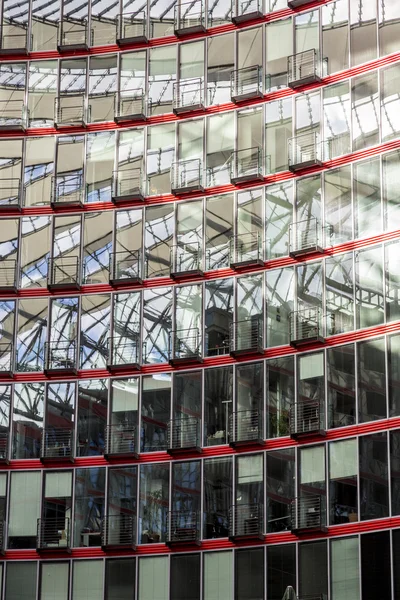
(308, 513)
(183, 527)
(306, 416)
(184, 433)
(69, 110)
(245, 427)
(13, 115)
(131, 28)
(245, 250)
(246, 521)
(303, 68)
(128, 185)
(246, 336)
(121, 439)
(6, 358)
(124, 351)
(67, 190)
(63, 272)
(131, 106)
(4, 453)
(184, 345)
(305, 237)
(118, 531)
(10, 193)
(304, 150)
(246, 10)
(247, 165)
(57, 443)
(53, 534)
(60, 355)
(188, 94)
(15, 42)
(187, 176)
(8, 274)
(186, 260)
(246, 83)
(126, 267)
(306, 326)
(189, 17)
(73, 35)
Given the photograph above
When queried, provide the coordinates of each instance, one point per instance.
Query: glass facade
(199, 300)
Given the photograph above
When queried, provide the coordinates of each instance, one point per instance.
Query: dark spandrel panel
(375, 566)
(281, 570)
(249, 574)
(185, 577)
(374, 493)
(120, 579)
(313, 569)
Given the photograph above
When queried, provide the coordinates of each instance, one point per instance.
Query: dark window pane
(185, 577)
(375, 566)
(120, 579)
(313, 569)
(374, 476)
(281, 570)
(249, 574)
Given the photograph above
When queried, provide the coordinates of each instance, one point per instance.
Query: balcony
(124, 351)
(70, 111)
(72, 35)
(60, 357)
(306, 417)
(128, 185)
(305, 237)
(67, 191)
(63, 273)
(187, 176)
(184, 434)
(185, 346)
(308, 514)
(6, 359)
(189, 18)
(126, 268)
(186, 260)
(188, 95)
(53, 534)
(246, 337)
(131, 106)
(121, 441)
(4, 451)
(14, 39)
(8, 275)
(13, 115)
(246, 522)
(183, 528)
(246, 83)
(57, 444)
(118, 532)
(304, 151)
(306, 327)
(131, 28)
(246, 165)
(246, 250)
(10, 194)
(246, 427)
(246, 10)
(303, 68)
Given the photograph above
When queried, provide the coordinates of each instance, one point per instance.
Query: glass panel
(249, 47)
(307, 31)
(217, 576)
(160, 154)
(338, 205)
(92, 416)
(220, 64)
(120, 579)
(389, 30)
(218, 398)
(335, 35)
(219, 229)
(22, 523)
(343, 471)
(153, 578)
(365, 108)
(280, 385)
(102, 87)
(278, 129)
(249, 574)
(185, 495)
(89, 511)
(217, 497)
(369, 287)
(42, 94)
(153, 507)
(374, 494)
(371, 380)
(100, 150)
(124, 410)
(313, 569)
(220, 143)
(390, 102)
(95, 328)
(394, 375)
(249, 479)
(35, 248)
(339, 281)
(16, 573)
(185, 577)
(345, 569)
(341, 386)
(278, 217)
(38, 170)
(157, 320)
(375, 566)
(54, 580)
(279, 301)
(32, 334)
(162, 75)
(87, 579)
(367, 195)
(27, 420)
(45, 18)
(218, 315)
(362, 31)
(279, 45)
(159, 227)
(281, 471)
(390, 185)
(394, 437)
(155, 411)
(336, 107)
(281, 569)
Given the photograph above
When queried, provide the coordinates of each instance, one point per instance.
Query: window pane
(375, 566)
(345, 575)
(185, 577)
(249, 574)
(374, 493)
(281, 570)
(153, 578)
(218, 582)
(120, 579)
(21, 581)
(54, 581)
(87, 580)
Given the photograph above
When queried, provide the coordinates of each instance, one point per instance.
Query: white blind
(125, 396)
(312, 365)
(153, 578)
(23, 514)
(279, 39)
(218, 576)
(54, 581)
(343, 459)
(250, 468)
(312, 464)
(3, 484)
(345, 569)
(88, 580)
(58, 485)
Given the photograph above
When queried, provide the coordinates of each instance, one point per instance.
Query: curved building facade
(199, 300)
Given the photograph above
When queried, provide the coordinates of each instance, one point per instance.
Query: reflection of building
(199, 299)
